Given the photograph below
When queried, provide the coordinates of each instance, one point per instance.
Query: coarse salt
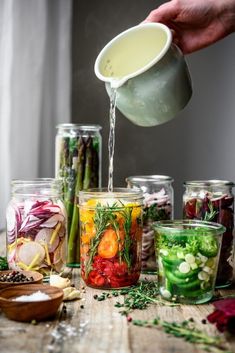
(34, 297)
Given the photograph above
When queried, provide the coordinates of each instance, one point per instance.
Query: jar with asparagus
(78, 165)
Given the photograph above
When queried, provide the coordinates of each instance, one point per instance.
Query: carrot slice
(108, 246)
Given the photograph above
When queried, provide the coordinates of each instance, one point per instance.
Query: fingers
(164, 13)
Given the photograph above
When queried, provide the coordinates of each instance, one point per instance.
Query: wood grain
(99, 328)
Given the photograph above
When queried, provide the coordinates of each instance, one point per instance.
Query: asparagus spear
(71, 180)
(95, 165)
(88, 165)
(74, 241)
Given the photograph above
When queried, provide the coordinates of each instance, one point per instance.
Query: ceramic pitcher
(149, 73)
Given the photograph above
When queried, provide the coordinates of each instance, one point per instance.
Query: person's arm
(196, 23)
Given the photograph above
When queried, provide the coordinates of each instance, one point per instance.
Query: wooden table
(91, 326)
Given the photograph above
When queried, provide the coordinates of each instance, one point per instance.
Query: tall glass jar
(111, 234)
(213, 200)
(36, 226)
(78, 164)
(158, 205)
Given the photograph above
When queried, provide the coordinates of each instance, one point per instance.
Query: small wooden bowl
(37, 278)
(30, 310)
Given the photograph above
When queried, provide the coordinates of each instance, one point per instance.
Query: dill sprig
(188, 331)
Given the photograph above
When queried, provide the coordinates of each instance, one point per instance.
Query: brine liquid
(111, 143)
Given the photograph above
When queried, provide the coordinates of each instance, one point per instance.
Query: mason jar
(111, 234)
(158, 205)
(36, 226)
(187, 252)
(213, 200)
(78, 165)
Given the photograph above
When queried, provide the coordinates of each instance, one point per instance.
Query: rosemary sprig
(188, 331)
(126, 213)
(104, 218)
(209, 216)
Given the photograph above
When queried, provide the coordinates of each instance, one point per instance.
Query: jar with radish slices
(111, 234)
(36, 226)
(213, 200)
(158, 205)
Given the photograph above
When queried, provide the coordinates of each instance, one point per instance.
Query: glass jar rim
(101, 193)
(176, 226)
(87, 127)
(156, 179)
(210, 182)
(53, 185)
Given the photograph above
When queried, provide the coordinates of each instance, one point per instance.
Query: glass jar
(111, 234)
(78, 164)
(36, 226)
(158, 205)
(187, 252)
(212, 200)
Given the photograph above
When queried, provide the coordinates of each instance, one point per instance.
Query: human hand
(196, 23)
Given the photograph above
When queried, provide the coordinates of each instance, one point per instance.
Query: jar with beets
(213, 200)
(36, 226)
(158, 205)
(111, 235)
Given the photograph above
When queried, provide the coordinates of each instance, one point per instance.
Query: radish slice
(60, 253)
(28, 252)
(11, 219)
(52, 221)
(29, 223)
(44, 237)
(62, 231)
(58, 266)
(63, 251)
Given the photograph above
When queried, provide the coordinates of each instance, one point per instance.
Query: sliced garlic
(184, 267)
(71, 294)
(60, 282)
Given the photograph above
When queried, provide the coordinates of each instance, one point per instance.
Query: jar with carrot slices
(36, 226)
(111, 236)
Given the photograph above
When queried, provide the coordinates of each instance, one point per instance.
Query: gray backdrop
(198, 144)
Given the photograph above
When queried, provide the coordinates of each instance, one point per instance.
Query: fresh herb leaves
(136, 297)
(3, 263)
(188, 331)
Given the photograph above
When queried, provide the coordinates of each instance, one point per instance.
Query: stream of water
(111, 143)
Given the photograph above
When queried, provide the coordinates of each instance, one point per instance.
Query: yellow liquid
(133, 52)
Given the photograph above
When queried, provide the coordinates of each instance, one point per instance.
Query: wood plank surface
(90, 326)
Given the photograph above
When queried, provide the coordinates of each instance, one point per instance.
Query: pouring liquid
(111, 143)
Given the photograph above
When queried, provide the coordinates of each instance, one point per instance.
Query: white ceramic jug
(149, 72)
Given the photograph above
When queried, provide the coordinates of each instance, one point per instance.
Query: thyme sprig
(136, 297)
(188, 331)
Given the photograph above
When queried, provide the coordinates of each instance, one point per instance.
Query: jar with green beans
(187, 252)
